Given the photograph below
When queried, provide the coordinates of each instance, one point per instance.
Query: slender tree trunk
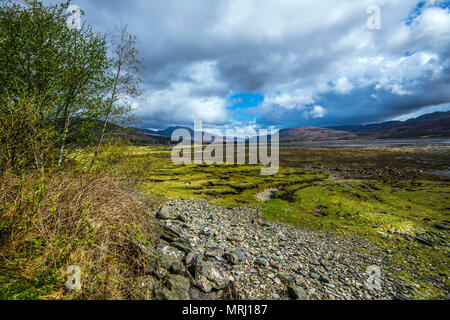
(64, 138)
(102, 136)
(108, 114)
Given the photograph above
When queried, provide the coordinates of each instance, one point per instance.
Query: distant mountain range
(143, 135)
(433, 125)
(315, 134)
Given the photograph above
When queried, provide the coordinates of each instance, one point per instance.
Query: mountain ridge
(431, 125)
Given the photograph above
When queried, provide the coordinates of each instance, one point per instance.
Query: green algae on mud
(228, 185)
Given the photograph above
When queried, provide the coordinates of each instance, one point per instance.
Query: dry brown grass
(51, 222)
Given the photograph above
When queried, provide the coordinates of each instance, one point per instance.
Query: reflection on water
(372, 143)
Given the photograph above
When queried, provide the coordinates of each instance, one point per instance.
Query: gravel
(264, 259)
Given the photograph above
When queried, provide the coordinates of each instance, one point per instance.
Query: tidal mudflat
(397, 198)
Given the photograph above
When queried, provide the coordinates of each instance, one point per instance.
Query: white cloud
(317, 112)
(296, 99)
(181, 102)
(343, 85)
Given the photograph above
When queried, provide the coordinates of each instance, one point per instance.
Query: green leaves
(60, 72)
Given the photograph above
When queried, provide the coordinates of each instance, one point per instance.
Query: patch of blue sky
(444, 4)
(417, 11)
(245, 118)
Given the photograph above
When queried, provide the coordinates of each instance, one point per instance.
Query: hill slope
(314, 134)
(429, 125)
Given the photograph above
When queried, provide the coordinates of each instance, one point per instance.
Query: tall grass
(51, 221)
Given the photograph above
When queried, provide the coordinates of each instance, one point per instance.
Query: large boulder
(183, 245)
(169, 233)
(170, 256)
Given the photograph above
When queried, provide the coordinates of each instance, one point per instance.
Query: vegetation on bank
(51, 222)
(65, 90)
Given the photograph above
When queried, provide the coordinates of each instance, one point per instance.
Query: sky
(284, 63)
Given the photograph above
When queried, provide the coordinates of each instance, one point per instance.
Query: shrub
(51, 222)
(27, 133)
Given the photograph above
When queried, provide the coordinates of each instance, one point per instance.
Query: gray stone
(164, 214)
(298, 293)
(284, 277)
(170, 255)
(208, 232)
(210, 275)
(441, 226)
(261, 222)
(176, 288)
(169, 233)
(315, 275)
(231, 258)
(178, 268)
(277, 258)
(214, 252)
(261, 263)
(192, 258)
(423, 241)
(234, 239)
(240, 233)
(276, 266)
(183, 245)
(197, 295)
(239, 254)
(413, 286)
(324, 278)
(148, 288)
